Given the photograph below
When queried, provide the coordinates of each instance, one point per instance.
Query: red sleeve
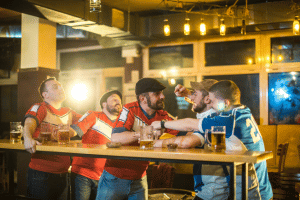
(86, 121)
(75, 117)
(38, 112)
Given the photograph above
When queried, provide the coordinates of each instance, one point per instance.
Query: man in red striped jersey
(47, 174)
(126, 179)
(94, 128)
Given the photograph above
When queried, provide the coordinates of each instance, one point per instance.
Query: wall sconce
(95, 5)
(202, 28)
(243, 30)
(187, 27)
(296, 26)
(166, 28)
(222, 28)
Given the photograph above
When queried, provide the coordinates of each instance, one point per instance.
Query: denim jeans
(83, 188)
(46, 186)
(113, 188)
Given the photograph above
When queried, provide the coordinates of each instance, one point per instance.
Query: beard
(199, 107)
(159, 105)
(114, 110)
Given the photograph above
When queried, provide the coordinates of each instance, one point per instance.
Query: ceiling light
(166, 28)
(95, 5)
(222, 28)
(296, 26)
(243, 30)
(202, 28)
(187, 27)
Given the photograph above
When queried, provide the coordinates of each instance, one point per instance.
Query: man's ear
(44, 95)
(104, 104)
(142, 98)
(207, 99)
(227, 103)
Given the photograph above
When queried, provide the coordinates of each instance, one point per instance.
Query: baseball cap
(148, 85)
(108, 94)
(203, 85)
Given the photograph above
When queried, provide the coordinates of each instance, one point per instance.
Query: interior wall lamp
(202, 28)
(95, 5)
(187, 27)
(296, 26)
(222, 28)
(166, 28)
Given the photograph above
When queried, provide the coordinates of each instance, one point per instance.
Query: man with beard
(94, 128)
(201, 101)
(47, 174)
(126, 179)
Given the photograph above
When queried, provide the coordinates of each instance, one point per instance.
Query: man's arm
(187, 124)
(125, 137)
(184, 142)
(29, 128)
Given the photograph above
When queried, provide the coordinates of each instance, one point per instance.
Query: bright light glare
(294, 78)
(221, 106)
(250, 61)
(79, 92)
(281, 92)
(293, 73)
(172, 81)
(272, 89)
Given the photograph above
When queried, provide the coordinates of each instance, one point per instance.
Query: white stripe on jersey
(123, 115)
(84, 116)
(35, 108)
(103, 128)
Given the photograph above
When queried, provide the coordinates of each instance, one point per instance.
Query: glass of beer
(218, 134)
(46, 132)
(146, 137)
(15, 132)
(63, 135)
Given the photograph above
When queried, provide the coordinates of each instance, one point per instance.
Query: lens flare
(79, 91)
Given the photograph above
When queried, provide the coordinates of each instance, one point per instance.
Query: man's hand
(181, 91)
(30, 144)
(156, 125)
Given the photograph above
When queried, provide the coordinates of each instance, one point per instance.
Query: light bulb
(222, 28)
(166, 28)
(202, 28)
(187, 28)
(296, 26)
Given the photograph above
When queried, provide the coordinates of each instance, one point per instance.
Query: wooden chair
(281, 152)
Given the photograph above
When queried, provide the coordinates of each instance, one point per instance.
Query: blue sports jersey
(242, 133)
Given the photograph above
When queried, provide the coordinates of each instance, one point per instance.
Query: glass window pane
(285, 49)
(180, 56)
(249, 87)
(180, 108)
(240, 52)
(284, 98)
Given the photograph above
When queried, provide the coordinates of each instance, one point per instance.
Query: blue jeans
(46, 186)
(113, 188)
(83, 188)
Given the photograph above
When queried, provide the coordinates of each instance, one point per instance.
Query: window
(241, 52)
(284, 98)
(249, 87)
(285, 49)
(180, 56)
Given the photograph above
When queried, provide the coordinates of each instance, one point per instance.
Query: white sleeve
(200, 137)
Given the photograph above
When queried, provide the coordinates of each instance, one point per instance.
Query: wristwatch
(162, 124)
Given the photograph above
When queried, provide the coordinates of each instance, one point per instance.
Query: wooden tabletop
(76, 147)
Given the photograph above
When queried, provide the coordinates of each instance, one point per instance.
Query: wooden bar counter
(231, 158)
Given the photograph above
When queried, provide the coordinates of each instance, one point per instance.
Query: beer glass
(63, 135)
(218, 136)
(46, 132)
(146, 137)
(15, 132)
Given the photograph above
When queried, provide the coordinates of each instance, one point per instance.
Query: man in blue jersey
(241, 134)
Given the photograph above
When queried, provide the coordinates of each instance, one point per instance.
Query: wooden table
(231, 158)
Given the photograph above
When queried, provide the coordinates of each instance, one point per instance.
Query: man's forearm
(29, 128)
(125, 137)
(187, 124)
(183, 142)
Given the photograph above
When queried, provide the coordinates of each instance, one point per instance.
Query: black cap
(108, 94)
(148, 85)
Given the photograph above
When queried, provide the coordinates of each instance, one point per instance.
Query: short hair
(42, 87)
(226, 89)
(145, 94)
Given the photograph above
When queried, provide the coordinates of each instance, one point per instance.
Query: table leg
(245, 181)
(232, 182)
